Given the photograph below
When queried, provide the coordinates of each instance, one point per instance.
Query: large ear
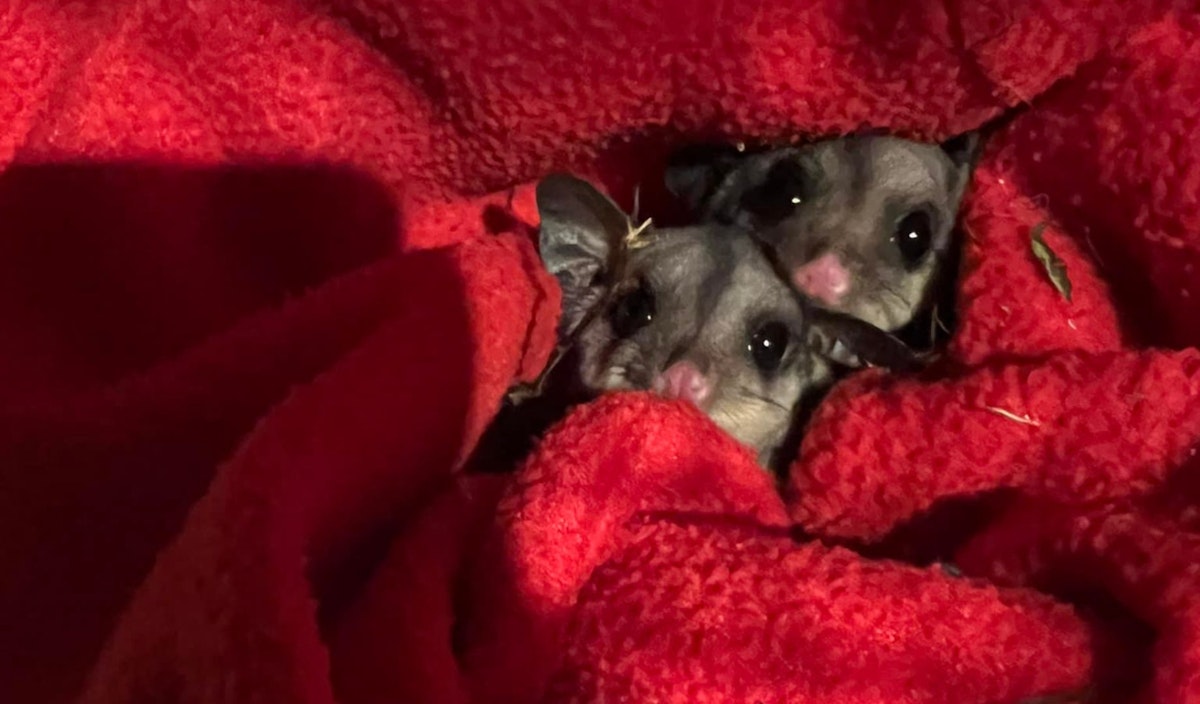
(693, 173)
(851, 342)
(581, 228)
(964, 151)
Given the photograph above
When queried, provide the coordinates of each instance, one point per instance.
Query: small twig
(634, 239)
(1023, 420)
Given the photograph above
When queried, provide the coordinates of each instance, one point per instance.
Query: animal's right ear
(694, 173)
(964, 151)
(581, 229)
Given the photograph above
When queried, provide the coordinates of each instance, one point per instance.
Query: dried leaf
(1055, 268)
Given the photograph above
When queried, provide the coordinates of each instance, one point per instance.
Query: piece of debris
(633, 238)
(1023, 420)
(950, 569)
(1055, 268)
(935, 325)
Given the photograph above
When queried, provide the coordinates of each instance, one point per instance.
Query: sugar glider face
(696, 313)
(862, 224)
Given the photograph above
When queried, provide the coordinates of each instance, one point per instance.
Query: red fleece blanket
(266, 272)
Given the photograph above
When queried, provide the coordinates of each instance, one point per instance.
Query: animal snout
(824, 278)
(683, 381)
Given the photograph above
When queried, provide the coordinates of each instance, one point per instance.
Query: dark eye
(780, 193)
(633, 311)
(767, 345)
(914, 236)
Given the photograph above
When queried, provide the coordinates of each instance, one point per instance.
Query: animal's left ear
(580, 232)
(850, 342)
(964, 151)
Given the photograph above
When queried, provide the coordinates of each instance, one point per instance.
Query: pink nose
(824, 278)
(683, 380)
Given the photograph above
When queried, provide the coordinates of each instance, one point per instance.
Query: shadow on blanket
(105, 268)
(98, 478)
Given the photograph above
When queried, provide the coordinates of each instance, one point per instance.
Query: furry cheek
(752, 421)
(611, 364)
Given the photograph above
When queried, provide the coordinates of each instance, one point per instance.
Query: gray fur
(856, 191)
(712, 288)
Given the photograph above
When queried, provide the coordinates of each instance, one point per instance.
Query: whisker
(759, 397)
(905, 304)
(900, 297)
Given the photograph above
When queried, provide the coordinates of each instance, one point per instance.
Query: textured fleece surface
(266, 272)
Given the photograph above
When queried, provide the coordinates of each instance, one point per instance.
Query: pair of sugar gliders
(800, 261)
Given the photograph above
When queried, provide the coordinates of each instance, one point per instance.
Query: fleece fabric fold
(267, 269)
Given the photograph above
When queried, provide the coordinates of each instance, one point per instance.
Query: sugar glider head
(698, 314)
(862, 224)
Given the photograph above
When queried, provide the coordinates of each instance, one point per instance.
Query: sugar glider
(861, 224)
(698, 313)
